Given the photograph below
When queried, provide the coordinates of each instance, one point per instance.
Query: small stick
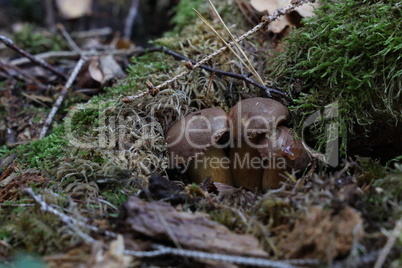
(61, 97)
(70, 41)
(64, 218)
(390, 243)
(89, 53)
(264, 22)
(242, 77)
(93, 33)
(9, 43)
(132, 14)
(161, 250)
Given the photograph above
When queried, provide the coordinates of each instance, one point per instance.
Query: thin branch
(249, 65)
(93, 33)
(161, 250)
(55, 54)
(264, 22)
(218, 72)
(390, 243)
(64, 218)
(132, 14)
(67, 37)
(9, 43)
(61, 97)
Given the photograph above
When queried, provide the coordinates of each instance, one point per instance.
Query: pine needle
(248, 66)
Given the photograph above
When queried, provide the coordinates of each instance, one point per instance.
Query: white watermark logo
(127, 128)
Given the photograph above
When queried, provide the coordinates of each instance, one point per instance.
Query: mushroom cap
(195, 133)
(254, 116)
(280, 142)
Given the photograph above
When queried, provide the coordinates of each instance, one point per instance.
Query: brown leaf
(193, 231)
(280, 24)
(104, 69)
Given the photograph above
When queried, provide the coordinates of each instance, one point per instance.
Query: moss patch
(351, 53)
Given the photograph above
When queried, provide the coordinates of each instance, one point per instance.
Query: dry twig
(161, 250)
(132, 14)
(264, 22)
(218, 72)
(61, 97)
(68, 38)
(9, 43)
(390, 243)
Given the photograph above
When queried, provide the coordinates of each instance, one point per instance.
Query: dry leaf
(192, 231)
(73, 9)
(110, 68)
(280, 24)
(104, 69)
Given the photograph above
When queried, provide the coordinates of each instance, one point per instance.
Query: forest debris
(72, 258)
(266, 21)
(390, 243)
(9, 43)
(114, 257)
(194, 231)
(61, 98)
(161, 188)
(104, 69)
(321, 235)
(288, 20)
(10, 187)
(74, 9)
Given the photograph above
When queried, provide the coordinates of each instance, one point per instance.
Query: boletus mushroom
(251, 119)
(193, 142)
(283, 152)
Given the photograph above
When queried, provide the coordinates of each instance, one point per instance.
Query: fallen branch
(161, 250)
(218, 72)
(61, 97)
(132, 14)
(68, 38)
(70, 222)
(57, 54)
(9, 43)
(264, 22)
(390, 243)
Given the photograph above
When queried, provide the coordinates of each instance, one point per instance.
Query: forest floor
(87, 102)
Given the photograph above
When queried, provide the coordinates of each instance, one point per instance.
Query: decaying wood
(192, 231)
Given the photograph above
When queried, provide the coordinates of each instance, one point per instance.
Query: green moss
(184, 13)
(37, 42)
(44, 153)
(349, 52)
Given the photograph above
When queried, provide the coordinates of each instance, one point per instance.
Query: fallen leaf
(196, 231)
(104, 69)
(282, 22)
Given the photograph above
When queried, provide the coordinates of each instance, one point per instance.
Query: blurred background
(137, 20)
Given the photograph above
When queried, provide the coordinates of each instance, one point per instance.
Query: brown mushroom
(193, 141)
(283, 152)
(251, 119)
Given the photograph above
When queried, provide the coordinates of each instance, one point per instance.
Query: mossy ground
(107, 149)
(348, 53)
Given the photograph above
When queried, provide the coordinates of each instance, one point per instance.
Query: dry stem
(264, 22)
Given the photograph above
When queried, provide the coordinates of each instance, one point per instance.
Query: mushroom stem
(245, 165)
(272, 177)
(214, 164)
